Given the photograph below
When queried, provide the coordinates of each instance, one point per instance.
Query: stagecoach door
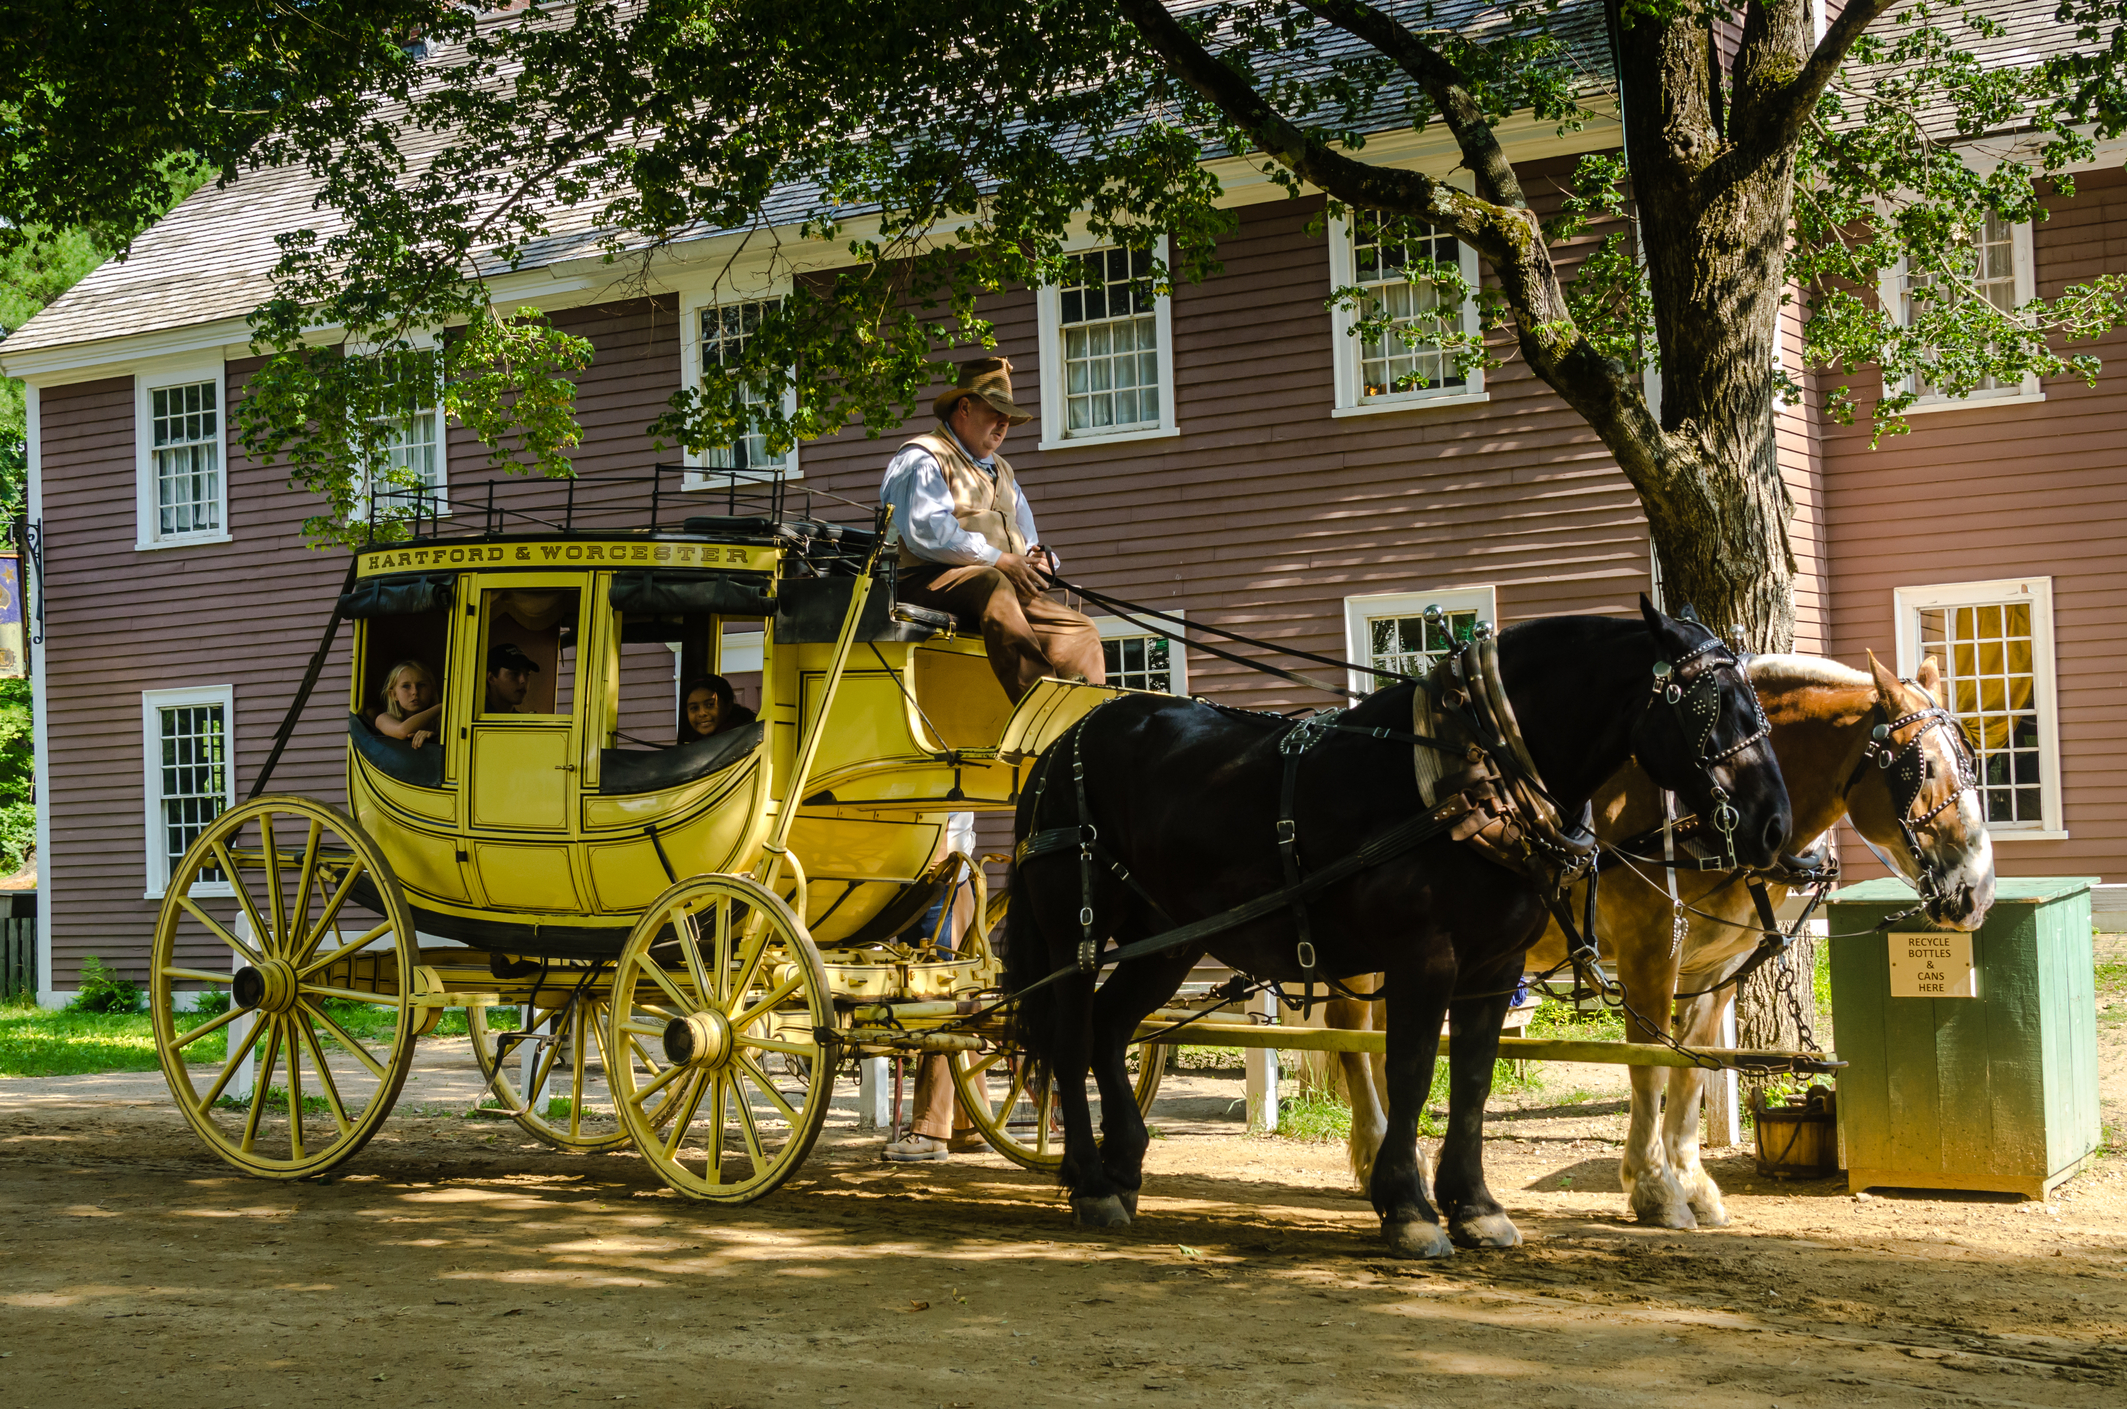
(525, 706)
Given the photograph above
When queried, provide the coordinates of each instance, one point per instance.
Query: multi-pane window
(725, 330)
(413, 444)
(1990, 674)
(185, 452)
(1108, 318)
(193, 775)
(1411, 645)
(1139, 662)
(1392, 271)
(1992, 278)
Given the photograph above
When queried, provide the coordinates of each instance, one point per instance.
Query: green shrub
(212, 1003)
(103, 991)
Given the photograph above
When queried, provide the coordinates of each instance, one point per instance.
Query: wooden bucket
(1798, 1139)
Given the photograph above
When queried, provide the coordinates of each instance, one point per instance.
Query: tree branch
(1443, 83)
(1778, 117)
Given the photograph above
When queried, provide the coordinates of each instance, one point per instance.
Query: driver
(509, 678)
(968, 541)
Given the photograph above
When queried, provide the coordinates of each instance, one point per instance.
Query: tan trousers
(1027, 638)
(932, 1109)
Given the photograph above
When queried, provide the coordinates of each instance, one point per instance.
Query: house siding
(1982, 493)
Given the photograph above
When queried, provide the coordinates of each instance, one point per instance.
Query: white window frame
(1114, 628)
(421, 340)
(1891, 292)
(1048, 308)
(147, 519)
(1344, 346)
(1361, 609)
(2038, 593)
(152, 704)
(691, 303)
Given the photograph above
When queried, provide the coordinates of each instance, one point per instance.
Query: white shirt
(923, 509)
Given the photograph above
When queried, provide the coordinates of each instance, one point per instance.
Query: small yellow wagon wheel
(568, 1060)
(1018, 1117)
(289, 906)
(721, 1039)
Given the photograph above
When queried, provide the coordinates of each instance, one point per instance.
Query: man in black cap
(509, 677)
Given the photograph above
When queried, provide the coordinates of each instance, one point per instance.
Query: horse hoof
(1129, 1198)
(1108, 1212)
(1708, 1215)
(1417, 1239)
(1487, 1230)
(1676, 1216)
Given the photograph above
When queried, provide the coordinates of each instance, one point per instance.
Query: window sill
(220, 892)
(1074, 442)
(2028, 834)
(204, 540)
(745, 477)
(1416, 403)
(1974, 403)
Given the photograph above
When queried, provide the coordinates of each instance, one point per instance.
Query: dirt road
(456, 1262)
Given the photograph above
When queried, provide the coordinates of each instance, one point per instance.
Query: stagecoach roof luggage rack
(743, 506)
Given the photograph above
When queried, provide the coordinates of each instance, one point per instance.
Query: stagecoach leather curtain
(690, 594)
(397, 596)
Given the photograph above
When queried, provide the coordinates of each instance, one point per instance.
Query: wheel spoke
(326, 1084)
(261, 1083)
(301, 914)
(198, 975)
(644, 1029)
(340, 1035)
(982, 1068)
(1042, 1101)
(542, 1069)
(331, 957)
(213, 1024)
(747, 1130)
(576, 1070)
(658, 974)
(690, 1101)
(1011, 1097)
(229, 1066)
(774, 996)
(657, 1083)
(243, 894)
(690, 949)
(723, 946)
(351, 995)
(332, 907)
(221, 931)
(760, 1079)
(295, 1092)
(715, 1143)
(750, 962)
(278, 941)
(777, 1044)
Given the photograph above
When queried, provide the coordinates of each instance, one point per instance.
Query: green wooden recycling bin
(1971, 1058)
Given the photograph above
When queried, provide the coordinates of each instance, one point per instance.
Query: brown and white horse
(1823, 716)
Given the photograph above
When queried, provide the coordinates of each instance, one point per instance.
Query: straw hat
(989, 378)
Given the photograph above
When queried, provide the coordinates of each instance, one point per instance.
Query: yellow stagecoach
(693, 936)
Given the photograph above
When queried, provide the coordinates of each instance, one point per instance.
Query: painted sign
(1933, 966)
(12, 665)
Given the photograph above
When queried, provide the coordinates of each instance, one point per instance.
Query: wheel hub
(698, 1039)
(270, 985)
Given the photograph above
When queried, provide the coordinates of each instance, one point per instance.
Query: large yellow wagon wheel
(1015, 1114)
(568, 1061)
(289, 906)
(722, 1055)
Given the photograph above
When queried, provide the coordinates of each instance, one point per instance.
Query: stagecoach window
(724, 330)
(188, 776)
(1990, 674)
(1108, 318)
(186, 435)
(1392, 267)
(541, 623)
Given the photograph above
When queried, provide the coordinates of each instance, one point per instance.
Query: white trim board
(1114, 627)
(1360, 609)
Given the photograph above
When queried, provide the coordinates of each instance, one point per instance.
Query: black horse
(1186, 799)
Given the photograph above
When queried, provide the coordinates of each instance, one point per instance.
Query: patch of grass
(1563, 1023)
(1316, 1117)
(276, 1100)
(48, 1042)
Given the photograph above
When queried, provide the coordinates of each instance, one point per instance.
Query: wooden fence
(18, 958)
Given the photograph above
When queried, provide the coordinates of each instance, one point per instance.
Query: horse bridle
(1694, 698)
(1905, 772)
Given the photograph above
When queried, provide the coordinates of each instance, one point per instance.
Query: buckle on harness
(1306, 955)
(1288, 831)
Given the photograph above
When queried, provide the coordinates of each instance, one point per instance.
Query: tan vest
(985, 507)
